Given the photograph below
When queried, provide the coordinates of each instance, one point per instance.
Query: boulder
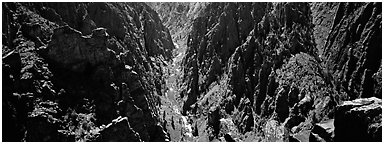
(359, 120)
(323, 132)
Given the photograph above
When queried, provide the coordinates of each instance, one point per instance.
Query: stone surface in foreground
(359, 120)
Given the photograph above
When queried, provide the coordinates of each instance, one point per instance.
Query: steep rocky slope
(353, 49)
(224, 72)
(83, 72)
(273, 71)
(322, 18)
(176, 16)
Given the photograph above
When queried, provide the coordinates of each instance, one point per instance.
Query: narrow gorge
(191, 72)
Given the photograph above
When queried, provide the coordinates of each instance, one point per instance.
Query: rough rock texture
(242, 46)
(233, 72)
(177, 17)
(70, 68)
(208, 50)
(286, 62)
(323, 132)
(274, 132)
(322, 18)
(42, 124)
(353, 49)
(359, 120)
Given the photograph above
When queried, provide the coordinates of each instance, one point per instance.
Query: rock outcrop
(287, 62)
(223, 71)
(323, 132)
(177, 17)
(322, 18)
(352, 52)
(242, 47)
(71, 68)
(359, 120)
(213, 39)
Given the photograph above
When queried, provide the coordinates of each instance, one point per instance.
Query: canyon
(191, 71)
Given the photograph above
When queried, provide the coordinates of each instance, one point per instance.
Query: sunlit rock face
(287, 62)
(194, 71)
(359, 120)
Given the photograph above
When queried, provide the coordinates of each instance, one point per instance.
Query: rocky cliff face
(242, 51)
(284, 66)
(353, 49)
(366, 123)
(224, 72)
(83, 72)
(176, 16)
